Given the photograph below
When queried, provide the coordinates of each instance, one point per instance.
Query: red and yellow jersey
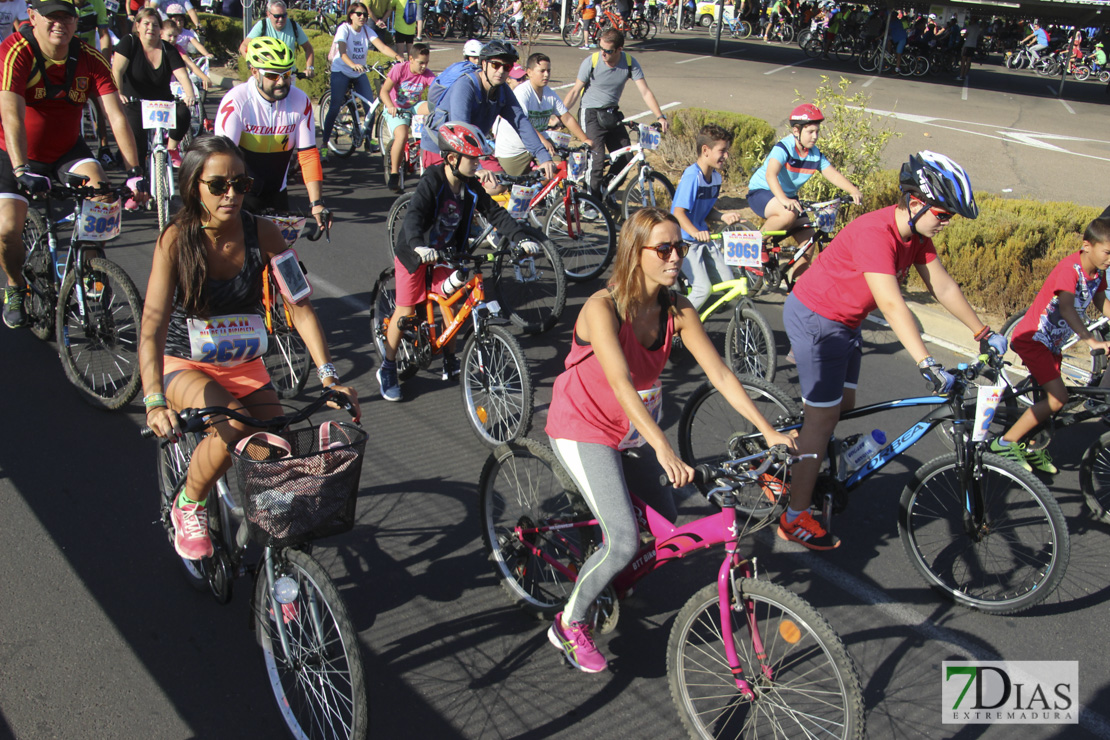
(52, 125)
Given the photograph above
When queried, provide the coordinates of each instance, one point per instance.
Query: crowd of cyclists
(207, 267)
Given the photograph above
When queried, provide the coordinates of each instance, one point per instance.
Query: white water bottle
(454, 281)
(863, 450)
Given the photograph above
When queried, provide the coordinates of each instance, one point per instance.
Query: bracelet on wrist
(327, 370)
(17, 171)
(927, 362)
(982, 333)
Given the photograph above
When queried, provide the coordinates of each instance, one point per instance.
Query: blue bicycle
(978, 528)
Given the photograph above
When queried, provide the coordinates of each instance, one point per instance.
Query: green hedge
(753, 139)
(221, 35)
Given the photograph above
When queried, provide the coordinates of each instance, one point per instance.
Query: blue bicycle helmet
(940, 182)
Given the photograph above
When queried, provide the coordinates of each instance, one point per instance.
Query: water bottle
(863, 449)
(454, 281)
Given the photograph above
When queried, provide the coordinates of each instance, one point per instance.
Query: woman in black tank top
(206, 276)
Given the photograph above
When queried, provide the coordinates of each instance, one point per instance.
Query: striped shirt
(796, 169)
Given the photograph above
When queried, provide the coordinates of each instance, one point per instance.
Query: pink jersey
(408, 88)
(584, 407)
(1043, 321)
(835, 286)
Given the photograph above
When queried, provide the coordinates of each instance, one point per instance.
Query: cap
(46, 7)
(518, 72)
(472, 48)
(175, 9)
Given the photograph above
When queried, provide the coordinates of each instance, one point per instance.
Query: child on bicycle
(1057, 312)
(403, 88)
(439, 220)
(171, 30)
(610, 398)
(694, 199)
(868, 262)
(773, 189)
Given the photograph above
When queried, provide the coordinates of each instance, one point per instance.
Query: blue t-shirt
(1042, 36)
(795, 170)
(696, 196)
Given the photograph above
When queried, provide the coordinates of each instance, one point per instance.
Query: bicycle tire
(659, 193)
(711, 431)
(286, 359)
(38, 271)
(173, 466)
(383, 301)
(845, 50)
(787, 34)
(979, 574)
(102, 362)
(480, 25)
(496, 386)
(587, 256)
(750, 345)
(161, 187)
(869, 60)
(532, 289)
(385, 147)
(1094, 478)
(395, 218)
(921, 66)
(1082, 73)
(815, 689)
(813, 47)
(344, 134)
(672, 24)
(322, 684)
(523, 484)
(572, 34)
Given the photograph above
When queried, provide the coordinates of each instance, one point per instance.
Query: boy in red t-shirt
(1072, 286)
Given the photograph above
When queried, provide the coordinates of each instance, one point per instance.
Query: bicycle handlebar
(196, 420)
(67, 192)
(729, 473)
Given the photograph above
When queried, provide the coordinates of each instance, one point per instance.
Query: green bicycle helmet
(269, 53)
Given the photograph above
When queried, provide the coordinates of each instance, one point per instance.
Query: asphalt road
(100, 637)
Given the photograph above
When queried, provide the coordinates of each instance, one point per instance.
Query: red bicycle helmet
(806, 113)
(462, 138)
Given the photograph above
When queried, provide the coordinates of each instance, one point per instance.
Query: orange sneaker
(807, 532)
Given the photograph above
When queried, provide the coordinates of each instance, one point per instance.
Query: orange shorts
(239, 381)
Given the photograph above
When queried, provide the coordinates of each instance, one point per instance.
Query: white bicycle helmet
(940, 182)
(472, 48)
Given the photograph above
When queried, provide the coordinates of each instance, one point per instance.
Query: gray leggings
(601, 473)
(704, 265)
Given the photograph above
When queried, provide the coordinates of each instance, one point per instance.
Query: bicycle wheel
(523, 485)
(344, 134)
(920, 66)
(396, 217)
(286, 359)
(750, 345)
(480, 26)
(532, 289)
(744, 30)
(869, 60)
(38, 271)
(316, 672)
(99, 346)
(589, 251)
(711, 431)
(385, 145)
(1094, 478)
(572, 34)
(813, 47)
(496, 386)
(787, 33)
(672, 24)
(383, 301)
(1082, 73)
(657, 191)
(845, 50)
(161, 187)
(1011, 560)
(804, 680)
(173, 465)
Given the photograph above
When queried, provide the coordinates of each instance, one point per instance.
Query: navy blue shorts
(827, 354)
(758, 200)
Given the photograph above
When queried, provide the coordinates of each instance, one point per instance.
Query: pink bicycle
(745, 658)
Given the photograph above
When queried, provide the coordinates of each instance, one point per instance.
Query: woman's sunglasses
(241, 184)
(359, 13)
(664, 250)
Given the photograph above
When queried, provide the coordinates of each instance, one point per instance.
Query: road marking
(870, 80)
(563, 87)
(332, 290)
(692, 59)
(736, 51)
(639, 115)
(1009, 134)
(442, 48)
(788, 66)
(963, 93)
(1066, 106)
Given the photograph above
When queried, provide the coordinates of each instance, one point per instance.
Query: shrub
(222, 35)
(753, 138)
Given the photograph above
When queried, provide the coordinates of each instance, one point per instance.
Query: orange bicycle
(496, 386)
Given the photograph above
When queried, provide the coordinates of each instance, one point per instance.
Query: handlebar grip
(703, 474)
(313, 231)
(1097, 352)
(147, 433)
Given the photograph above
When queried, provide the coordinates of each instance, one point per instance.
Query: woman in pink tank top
(609, 399)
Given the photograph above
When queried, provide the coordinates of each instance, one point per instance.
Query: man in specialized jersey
(269, 118)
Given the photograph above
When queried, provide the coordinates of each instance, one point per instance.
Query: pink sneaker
(190, 526)
(175, 157)
(577, 644)
(130, 205)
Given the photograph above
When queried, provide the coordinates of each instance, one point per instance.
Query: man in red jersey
(46, 77)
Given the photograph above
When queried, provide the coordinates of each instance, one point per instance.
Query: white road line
(963, 93)
(736, 51)
(692, 59)
(563, 87)
(648, 113)
(1065, 104)
(870, 80)
(334, 291)
(788, 66)
(442, 48)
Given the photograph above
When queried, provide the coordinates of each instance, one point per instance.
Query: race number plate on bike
(98, 222)
(111, 6)
(227, 340)
(986, 403)
(742, 248)
(159, 114)
(417, 126)
(558, 138)
(649, 137)
(653, 402)
(290, 226)
(521, 199)
(576, 166)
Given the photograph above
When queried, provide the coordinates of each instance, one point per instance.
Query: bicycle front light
(286, 590)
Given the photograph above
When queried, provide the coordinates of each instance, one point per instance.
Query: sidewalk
(940, 327)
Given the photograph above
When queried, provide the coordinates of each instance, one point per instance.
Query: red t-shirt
(1043, 321)
(834, 286)
(52, 125)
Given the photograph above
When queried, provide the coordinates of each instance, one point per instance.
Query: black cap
(46, 7)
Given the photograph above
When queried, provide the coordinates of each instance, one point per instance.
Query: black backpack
(54, 91)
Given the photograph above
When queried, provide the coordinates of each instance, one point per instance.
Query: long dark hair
(189, 252)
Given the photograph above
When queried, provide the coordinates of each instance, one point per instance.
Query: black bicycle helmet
(940, 182)
(498, 49)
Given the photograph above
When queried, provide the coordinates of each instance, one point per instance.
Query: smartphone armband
(291, 279)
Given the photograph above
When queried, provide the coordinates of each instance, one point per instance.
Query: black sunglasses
(607, 52)
(664, 250)
(359, 13)
(241, 184)
(279, 16)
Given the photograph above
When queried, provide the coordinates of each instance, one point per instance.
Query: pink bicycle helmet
(462, 138)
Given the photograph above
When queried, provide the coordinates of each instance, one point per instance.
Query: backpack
(54, 91)
(1047, 37)
(266, 24)
(595, 57)
(410, 12)
(437, 91)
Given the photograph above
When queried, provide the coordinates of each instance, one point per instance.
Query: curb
(939, 327)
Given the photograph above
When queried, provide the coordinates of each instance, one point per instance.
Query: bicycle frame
(474, 292)
(732, 289)
(74, 260)
(638, 158)
(156, 142)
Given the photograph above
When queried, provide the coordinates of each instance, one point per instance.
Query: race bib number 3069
(742, 248)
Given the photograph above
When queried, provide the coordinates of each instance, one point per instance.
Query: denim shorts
(827, 353)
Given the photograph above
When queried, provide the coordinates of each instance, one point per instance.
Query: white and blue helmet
(940, 182)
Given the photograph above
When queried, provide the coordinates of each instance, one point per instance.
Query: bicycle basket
(300, 485)
(824, 216)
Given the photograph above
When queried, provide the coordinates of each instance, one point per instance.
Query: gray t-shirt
(608, 83)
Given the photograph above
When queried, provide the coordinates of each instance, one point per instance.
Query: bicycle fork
(732, 569)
